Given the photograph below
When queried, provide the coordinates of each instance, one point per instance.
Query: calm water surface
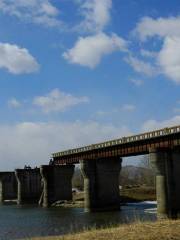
(29, 221)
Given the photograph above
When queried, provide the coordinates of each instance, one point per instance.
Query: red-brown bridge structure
(101, 165)
(123, 147)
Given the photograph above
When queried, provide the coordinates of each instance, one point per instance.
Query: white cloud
(141, 66)
(148, 54)
(17, 60)
(36, 11)
(169, 58)
(88, 51)
(136, 82)
(96, 14)
(123, 108)
(161, 27)
(32, 143)
(168, 29)
(154, 124)
(57, 101)
(128, 107)
(14, 103)
(176, 110)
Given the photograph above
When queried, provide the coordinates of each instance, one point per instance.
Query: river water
(29, 221)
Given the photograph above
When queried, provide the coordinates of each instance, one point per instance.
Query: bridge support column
(8, 186)
(176, 182)
(101, 184)
(1, 191)
(167, 167)
(57, 183)
(28, 185)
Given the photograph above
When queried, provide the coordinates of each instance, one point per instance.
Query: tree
(147, 173)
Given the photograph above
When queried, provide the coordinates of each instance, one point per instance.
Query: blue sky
(75, 72)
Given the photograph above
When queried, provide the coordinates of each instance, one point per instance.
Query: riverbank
(130, 195)
(164, 230)
(138, 194)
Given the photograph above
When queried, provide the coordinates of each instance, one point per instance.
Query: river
(29, 221)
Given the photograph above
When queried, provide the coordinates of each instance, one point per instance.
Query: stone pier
(176, 182)
(166, 163)
(29, 185)
(57, 183)
(101, 184)
(8, 186)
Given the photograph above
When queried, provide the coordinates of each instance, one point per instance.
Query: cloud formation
(14, 103)
(137, 82)
(96, 14)
(168, 30)
(57, 101)
(154, 124)
(40, 12)
(88, 51)
(17, 60)
(148, 54)
(141, 66)
(161, 27)
(169, 58)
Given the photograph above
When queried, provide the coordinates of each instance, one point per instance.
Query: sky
(76, 72)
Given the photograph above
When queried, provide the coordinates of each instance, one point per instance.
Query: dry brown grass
(138, 194)
(161, 230)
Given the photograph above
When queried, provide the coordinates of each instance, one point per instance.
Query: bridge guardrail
(123, 140)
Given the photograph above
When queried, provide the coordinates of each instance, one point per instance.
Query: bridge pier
(176, 181)
(1, 192)
(101, 184)
(166, 163)
(28, 185)
(8, 186)
(57, 183)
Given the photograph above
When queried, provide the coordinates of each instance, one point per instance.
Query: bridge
(100, 166)
(123, 147)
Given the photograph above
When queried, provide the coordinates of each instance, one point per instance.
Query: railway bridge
(101, 165)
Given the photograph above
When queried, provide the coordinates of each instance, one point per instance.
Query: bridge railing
(123, 140)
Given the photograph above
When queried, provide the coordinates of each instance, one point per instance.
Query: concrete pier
(8, 186)
(166, 163)
(176, 182)
(29, 185)
(101, 184)
(57, 183)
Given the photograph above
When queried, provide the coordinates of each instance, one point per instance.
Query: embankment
(164, 230)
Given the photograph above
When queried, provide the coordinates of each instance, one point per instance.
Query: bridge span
(101, 165)
(123, 147)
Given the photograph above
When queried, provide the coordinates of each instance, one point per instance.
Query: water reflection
(28, 221)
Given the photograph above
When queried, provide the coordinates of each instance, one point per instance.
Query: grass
(137, 194)
(163, 230)
(134, 194)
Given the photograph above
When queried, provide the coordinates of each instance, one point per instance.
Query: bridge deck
(123, 147)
